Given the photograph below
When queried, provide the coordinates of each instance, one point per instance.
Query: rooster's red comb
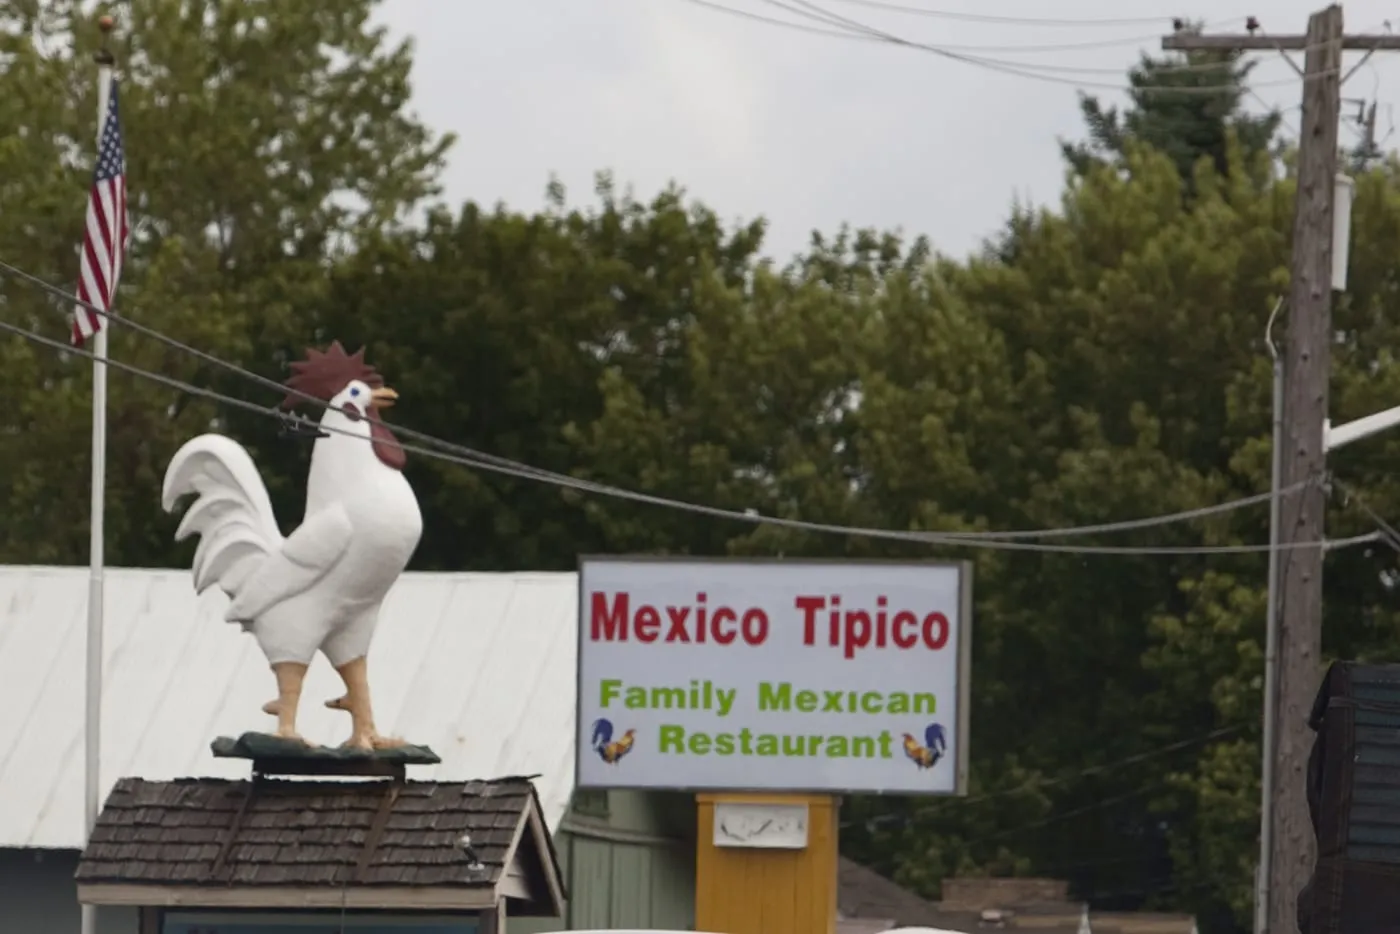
(322, 375)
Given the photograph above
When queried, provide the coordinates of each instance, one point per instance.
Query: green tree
(1185, 105)
(262, 138)
(1133, 327)
(1119, 326)
(637, 344)
(507, 331)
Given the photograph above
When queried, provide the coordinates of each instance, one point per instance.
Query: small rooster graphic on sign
(608, 750)
(934, 746)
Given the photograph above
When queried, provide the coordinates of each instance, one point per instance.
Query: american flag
(107, 232)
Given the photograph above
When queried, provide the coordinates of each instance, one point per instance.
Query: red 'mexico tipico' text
(615, 618)
(852, 630)
(700, 623)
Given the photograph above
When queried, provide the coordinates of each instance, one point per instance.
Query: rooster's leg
(355, 674)
(289, 678)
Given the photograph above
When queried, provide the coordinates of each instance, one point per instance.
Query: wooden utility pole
(1306, 370)
(1288, 848)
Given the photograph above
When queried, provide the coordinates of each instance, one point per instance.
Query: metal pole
(92, 745)
(1266, 836)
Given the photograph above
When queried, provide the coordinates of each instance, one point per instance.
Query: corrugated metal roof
(481, 667)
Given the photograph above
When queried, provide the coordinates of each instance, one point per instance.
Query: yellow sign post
(761, 876)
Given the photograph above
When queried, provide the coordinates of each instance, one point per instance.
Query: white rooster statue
(321, 587)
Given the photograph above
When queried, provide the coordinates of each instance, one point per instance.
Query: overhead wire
(1065, 778)
(908, 9)
(1054, 817)
(1185, 515)
(1058, 816)
(475, 458)
(1209, 885)
(1019, 48)
(810, 10)
(861, 32)
(1284, 120)
(1135, 41)
(472, 458)
(1110, 766)
(1389, 534)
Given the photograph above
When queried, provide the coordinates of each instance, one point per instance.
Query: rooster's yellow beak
(383, 398)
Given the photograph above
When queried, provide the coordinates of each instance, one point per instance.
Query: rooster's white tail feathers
(232, 515)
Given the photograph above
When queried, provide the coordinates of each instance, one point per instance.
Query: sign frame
(962, 715)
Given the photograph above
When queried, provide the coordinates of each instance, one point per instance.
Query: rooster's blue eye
(354, 392)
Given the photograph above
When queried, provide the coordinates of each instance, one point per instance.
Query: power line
(1185, 68)
(1017, 20)
(469, 457)
(1127, 525)
(1389, 533)
(752, 517)
(858, 30)
(1282, 112)
(774, 21)
(467, 452)
(463, 451)
(863, 33)
(1108, 766)
(1054, 817)
(811, 10)
(1059, 816)
(1137, 40)
(1076, 775)
(1161, 885)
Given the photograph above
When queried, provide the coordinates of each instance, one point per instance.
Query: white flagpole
(92, 784)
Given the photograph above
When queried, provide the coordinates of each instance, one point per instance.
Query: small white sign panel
(761, 826)
(777, 675)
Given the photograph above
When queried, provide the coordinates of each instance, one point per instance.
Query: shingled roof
(862, 892)
(362, 844)
(985, 904)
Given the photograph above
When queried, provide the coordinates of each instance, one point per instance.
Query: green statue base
(291, 755)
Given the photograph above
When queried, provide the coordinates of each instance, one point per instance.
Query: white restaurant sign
(782, 675)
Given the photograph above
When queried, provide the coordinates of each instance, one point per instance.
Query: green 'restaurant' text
(676, 740)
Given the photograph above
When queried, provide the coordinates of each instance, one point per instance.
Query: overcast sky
(806, 130)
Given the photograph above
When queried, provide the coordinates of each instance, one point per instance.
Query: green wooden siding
(628, 861)
(619, 885)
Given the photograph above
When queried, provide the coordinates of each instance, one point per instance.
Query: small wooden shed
(270, 854)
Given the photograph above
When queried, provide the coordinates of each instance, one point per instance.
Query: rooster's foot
(372, 741)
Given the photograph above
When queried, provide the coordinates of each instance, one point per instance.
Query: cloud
(700, 75)
(807, 130)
